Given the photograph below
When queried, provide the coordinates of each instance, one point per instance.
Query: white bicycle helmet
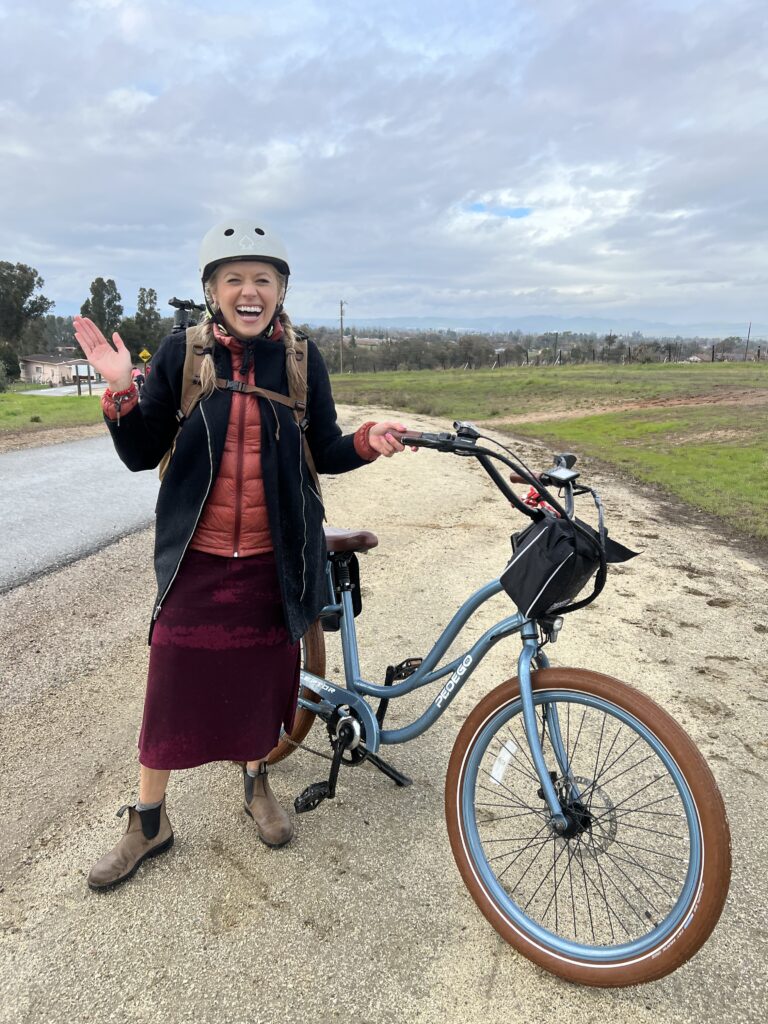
(241, 239)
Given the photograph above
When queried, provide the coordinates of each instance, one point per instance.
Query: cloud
(510, 157)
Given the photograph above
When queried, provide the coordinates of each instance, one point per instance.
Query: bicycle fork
(529, 653)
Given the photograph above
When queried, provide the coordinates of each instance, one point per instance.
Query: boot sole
(154, 852)
(272, 846)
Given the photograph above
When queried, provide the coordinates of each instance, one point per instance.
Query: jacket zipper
(158, 607)
(239, 475)
(304, 518)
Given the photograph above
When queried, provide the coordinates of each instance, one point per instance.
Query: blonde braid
(208, 367)
(297, 375)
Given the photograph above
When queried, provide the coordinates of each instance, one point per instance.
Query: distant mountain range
(541, 324)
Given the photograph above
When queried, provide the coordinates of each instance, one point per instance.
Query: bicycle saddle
(349, 540)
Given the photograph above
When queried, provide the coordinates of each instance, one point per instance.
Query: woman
(239, 546)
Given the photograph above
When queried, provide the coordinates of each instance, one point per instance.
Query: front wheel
(637, 882)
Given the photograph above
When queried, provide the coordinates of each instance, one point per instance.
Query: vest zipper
(239, 474)
(159, 605)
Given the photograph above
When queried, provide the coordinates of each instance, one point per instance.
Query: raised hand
(114, 364)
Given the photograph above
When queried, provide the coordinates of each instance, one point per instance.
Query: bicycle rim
(617, 893)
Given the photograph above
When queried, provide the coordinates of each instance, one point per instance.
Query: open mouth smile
(249, 312)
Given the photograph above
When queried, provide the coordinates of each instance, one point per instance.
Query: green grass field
(488, 394)
(712, 457)
(30, 412)
(711, 452)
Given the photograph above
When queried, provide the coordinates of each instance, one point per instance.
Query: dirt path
(16, 440)
(364, 916)
(725, 397)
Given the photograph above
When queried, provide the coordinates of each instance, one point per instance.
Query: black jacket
(295, 510)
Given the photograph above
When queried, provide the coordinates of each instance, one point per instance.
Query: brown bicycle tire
(313, 660)
(711, 885)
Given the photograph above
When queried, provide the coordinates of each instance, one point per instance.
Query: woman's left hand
(384, 438)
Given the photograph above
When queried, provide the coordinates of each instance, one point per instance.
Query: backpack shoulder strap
(190, 381)
(190, 386)
(300, 406)
(300, 397)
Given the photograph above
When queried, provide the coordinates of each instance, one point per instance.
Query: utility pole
(342, 304)
(749, 331)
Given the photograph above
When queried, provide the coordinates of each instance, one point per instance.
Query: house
(51, 369)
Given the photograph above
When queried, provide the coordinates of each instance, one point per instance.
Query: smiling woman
(247, 294)
(240, 548)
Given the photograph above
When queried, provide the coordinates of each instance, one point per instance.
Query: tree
(9, 361)
(3, 379)
(145, 329)
(18, 303)
(147, 316)
(132, 337)
(104, 306)
(49, 334)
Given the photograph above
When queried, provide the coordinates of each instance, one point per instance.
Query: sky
(420, 158)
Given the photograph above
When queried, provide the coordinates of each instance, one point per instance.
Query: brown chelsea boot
(148, 834)
(273, 824)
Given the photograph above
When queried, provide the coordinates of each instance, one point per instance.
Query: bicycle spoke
(653, 831)
(542, 844)
(536, 891)
(657, 853)
(597, 759)
(610, 911)
(604, 895)
(522, 746)
(620, 874)
(653, 875)
(631, 881)
(514, 800)
(530, 843)
(572, 755)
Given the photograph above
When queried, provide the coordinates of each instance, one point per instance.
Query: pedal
(395, 674)
(312, 797)
(405, 668)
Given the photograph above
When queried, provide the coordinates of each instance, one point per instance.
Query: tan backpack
(191, 394)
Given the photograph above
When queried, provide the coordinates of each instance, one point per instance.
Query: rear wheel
(312, 660)
(637, 882)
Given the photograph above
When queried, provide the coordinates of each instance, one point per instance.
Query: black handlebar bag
(553, 560)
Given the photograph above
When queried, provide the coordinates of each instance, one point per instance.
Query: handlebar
(189, 304)
(464, 442)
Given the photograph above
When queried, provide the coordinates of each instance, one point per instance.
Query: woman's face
(247, 293)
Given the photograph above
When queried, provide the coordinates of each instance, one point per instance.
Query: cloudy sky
(573, 157)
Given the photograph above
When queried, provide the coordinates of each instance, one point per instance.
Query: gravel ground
(364, 915)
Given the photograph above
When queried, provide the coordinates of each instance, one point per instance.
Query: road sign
(144, 355)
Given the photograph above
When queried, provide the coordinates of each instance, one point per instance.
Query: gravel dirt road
(364, 916)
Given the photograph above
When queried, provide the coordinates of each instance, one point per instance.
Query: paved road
(61, 502)
(67, 389)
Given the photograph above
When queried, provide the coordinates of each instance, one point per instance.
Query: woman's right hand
(114, 364)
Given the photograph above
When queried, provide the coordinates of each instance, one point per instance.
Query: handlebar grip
(516, 479)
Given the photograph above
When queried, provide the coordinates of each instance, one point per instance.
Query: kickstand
(387, 769)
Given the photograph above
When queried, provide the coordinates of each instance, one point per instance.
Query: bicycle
(585, 823)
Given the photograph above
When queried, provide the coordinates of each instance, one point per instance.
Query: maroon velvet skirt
(223, 674)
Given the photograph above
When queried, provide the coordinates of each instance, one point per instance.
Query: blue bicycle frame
(331, 697)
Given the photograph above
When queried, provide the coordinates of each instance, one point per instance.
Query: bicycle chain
(309, 750)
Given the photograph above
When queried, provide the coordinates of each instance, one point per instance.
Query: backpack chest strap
(294, 404)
